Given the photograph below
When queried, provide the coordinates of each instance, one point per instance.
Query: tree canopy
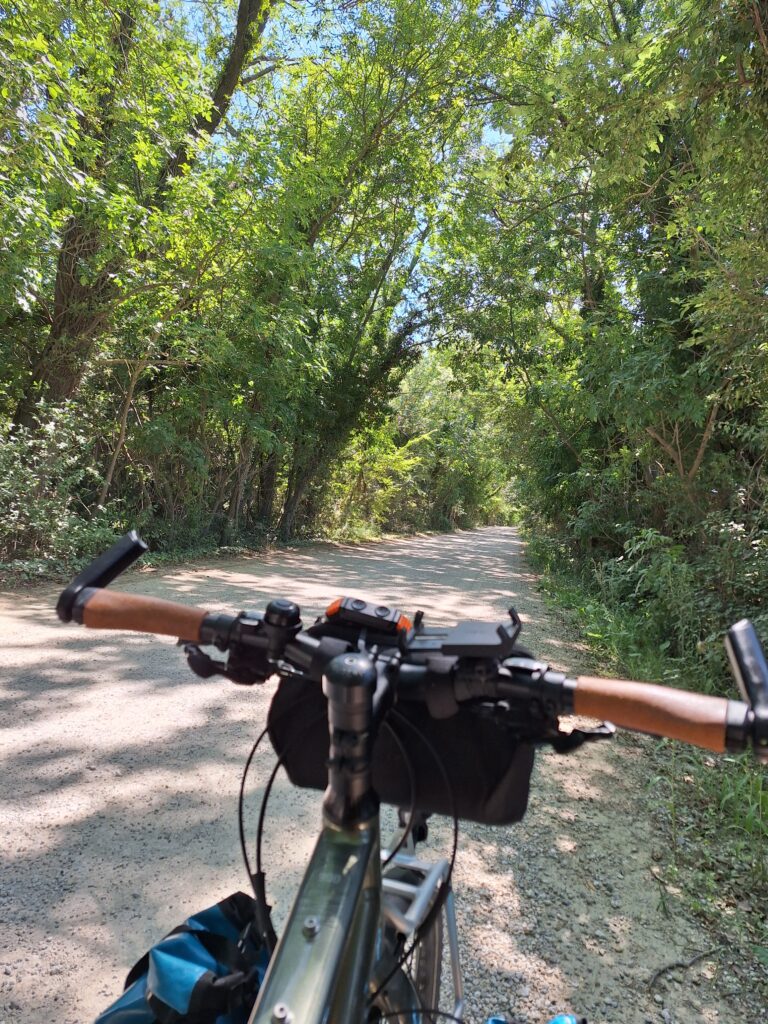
(271, 269)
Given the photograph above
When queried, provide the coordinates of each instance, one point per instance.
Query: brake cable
(263, 918)
(412, 787)
(273, 775)
(257, 877)
(443, 894)
(241, 802)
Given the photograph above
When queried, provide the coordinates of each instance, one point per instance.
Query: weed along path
(120, 773)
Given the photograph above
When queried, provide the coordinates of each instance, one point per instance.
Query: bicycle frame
(333, 954)
(327, 963)
(323, 963)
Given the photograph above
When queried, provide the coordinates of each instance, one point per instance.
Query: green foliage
(438, 462)
(714, 816)
(238, 291)
(238, 288)
(47, 481)
(231, 287)
(713, 812)
(390, 265)
(374, 486)
(613, 256)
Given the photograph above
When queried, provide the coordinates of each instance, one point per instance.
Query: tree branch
(252, 17)
(547, 412)
(139, 366)
(668, 449)
(614, 20)
(759, 25)
(705, 438)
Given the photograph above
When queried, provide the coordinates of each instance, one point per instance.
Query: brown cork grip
(659, 710)
(111, 609)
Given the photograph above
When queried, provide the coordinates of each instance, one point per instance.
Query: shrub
(47, 483)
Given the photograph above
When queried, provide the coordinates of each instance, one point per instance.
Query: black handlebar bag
(486, 769)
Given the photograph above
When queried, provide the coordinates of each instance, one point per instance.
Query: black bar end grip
(748, 663)
(760, 741)
(739, 725)
(101, 571)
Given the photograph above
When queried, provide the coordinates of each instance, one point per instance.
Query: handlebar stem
(350, 683)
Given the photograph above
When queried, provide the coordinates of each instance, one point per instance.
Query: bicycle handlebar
(98, 608)
(714, 723)
(695, 718)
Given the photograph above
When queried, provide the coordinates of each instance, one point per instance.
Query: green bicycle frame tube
(321, 968)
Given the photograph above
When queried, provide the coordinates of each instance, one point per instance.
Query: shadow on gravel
(120, 771)
(395, 571)
(109, 845)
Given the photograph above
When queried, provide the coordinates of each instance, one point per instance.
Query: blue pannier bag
(206, 971)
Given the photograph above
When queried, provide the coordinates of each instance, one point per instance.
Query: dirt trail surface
(120, 774)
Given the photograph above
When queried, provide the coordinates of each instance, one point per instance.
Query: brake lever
(236, 670)
(565, 742)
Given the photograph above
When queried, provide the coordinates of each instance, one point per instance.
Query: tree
(127, 105)
(614, 254)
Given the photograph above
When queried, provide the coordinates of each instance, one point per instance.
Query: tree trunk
(139, 367)
(297, 488)
(80, 311)
(265, 507)
(252, 18)
(237, 499)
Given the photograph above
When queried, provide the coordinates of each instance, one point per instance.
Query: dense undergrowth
(712, 812)
(432, 459)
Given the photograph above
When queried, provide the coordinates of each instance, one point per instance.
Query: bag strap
(139, 968)
(211, 998)
(224, 951)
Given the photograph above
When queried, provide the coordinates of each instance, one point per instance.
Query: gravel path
(119, 788)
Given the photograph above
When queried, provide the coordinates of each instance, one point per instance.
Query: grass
(711, 812)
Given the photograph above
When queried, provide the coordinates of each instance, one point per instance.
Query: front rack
(419, 899)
